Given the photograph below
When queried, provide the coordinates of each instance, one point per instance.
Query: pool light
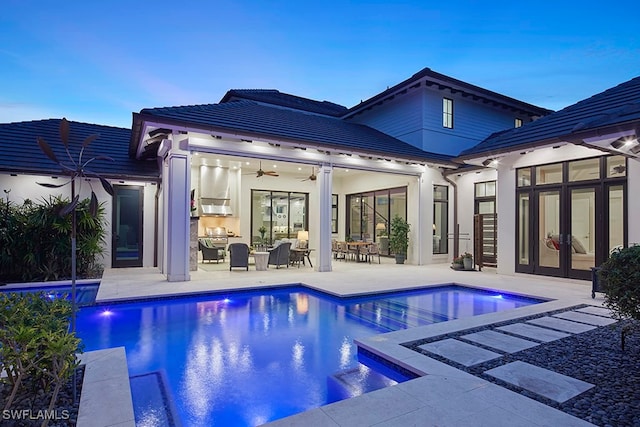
(106, 312)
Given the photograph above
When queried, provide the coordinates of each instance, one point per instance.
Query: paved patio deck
(444, 395)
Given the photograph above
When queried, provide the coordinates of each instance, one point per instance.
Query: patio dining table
(358, 245)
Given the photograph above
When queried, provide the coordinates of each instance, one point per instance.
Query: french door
(567, 231)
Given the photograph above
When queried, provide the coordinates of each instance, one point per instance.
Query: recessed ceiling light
(299, 169)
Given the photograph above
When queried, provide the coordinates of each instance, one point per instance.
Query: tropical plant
(35, 241)
(399, 236)
(620, 279)
(35, 342)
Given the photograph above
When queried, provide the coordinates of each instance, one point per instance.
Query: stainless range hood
(214, 191)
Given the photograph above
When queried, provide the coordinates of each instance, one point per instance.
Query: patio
(448, 391)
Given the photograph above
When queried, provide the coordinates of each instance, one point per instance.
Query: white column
(177, 199)
(506, 209)
(325, 181)
(633, 203)
(424, 232)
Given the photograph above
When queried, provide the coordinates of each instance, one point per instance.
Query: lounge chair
(280, 255)
(210, 252)
(238, 255)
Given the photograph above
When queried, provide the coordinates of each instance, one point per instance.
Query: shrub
(35, 342)
(35, 242)
(620, 279)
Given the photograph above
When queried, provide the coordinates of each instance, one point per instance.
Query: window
(279, 214)
(524, 177)
(518, 122)
(485, 189)
(447, 113)
(549, 174)
(583, 170)
(334, 213)
(440, 219)
(368, 214)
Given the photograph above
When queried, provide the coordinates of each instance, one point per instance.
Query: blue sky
(100, 61)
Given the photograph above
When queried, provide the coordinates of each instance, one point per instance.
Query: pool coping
(407, 402)
(103, 390)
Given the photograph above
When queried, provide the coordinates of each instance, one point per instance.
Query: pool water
(85, 293)
(251, 357)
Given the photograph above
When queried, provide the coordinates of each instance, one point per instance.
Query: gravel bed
(32, 398)
(594, 356)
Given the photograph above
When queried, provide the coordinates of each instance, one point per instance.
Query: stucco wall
(24, 187)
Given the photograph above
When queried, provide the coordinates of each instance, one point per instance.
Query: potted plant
(467, 261)
(262, 230)
(399, 238)
(458, 263)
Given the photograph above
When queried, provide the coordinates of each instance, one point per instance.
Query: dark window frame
(447, 113)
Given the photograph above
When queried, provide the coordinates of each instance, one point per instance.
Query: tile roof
(275, 97)
(613, 109)
(261, 120)
(20, 153)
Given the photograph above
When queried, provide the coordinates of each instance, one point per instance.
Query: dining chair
(373, 249)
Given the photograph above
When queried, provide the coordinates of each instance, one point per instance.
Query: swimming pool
(251, 357)
(85, 293)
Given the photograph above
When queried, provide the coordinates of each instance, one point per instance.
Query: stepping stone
(598, 311)
(502, 342)
(460, 352)
(544, 382)
(533, 332)
(561, 325)
(585, 318)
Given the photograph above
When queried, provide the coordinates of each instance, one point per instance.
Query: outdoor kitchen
(215, 202)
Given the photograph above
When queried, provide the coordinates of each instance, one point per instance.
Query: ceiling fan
(311, 177)
(260, 172)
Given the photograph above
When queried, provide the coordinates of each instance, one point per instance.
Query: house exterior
(564, 185)
(438, 113)
(424, 150)
(23, 166)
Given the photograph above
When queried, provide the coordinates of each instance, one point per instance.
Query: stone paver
(460, 352)
(585, 318)
(541, 381)
(561, 324)
(499, 341)
(598, 311)
(533, 332)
